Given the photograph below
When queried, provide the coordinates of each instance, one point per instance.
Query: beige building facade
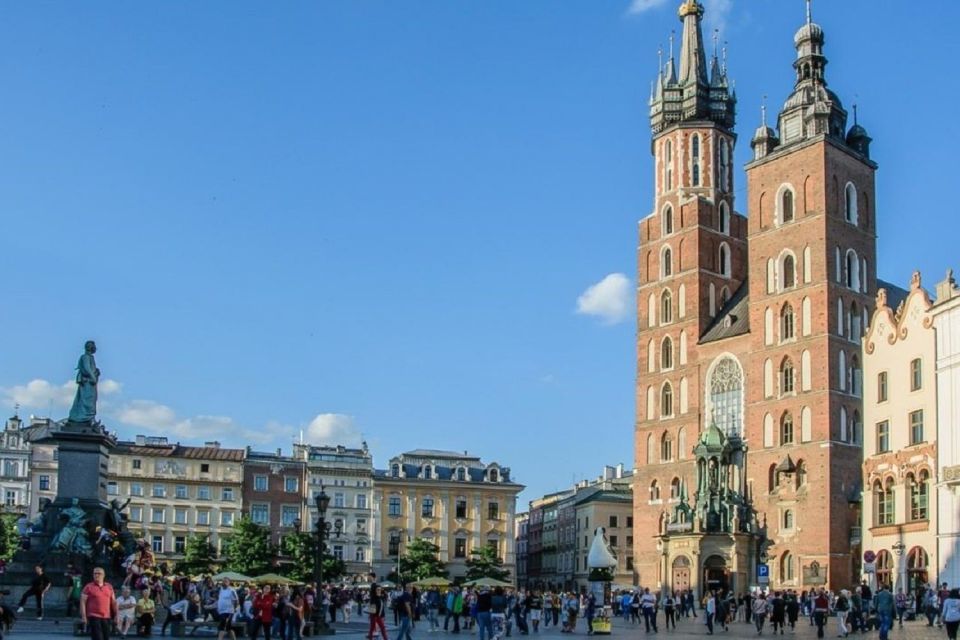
(176, 491)
(900, 439)
(454, 500)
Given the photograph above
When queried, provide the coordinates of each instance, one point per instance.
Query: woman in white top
(950, 614)
(126, 610)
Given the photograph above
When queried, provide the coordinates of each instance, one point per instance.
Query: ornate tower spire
(688, 94)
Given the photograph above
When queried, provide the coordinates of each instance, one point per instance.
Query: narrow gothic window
(724, 218)
(675, 488)
(786, 429)
(853, 270)
(724, 260)
(850, 203)
(654, 491)
(786, 322)
(788, 519)
(666, 354)
(666, 307)
(789, 279)
(695, 159)
(668, 165)
(666, 400)
(666, 448)
(724, 164)
(666, 265)
(667, 220)
(786, 376)
(786, 206)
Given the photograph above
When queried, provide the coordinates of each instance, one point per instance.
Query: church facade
(748, 425)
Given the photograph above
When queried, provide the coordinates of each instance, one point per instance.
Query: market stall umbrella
(488, 582)
(432, 582)
(274, 578)
(233, 576)
(386, 584)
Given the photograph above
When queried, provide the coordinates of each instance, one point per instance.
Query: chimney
(279, 452)
(619, 470)
(608, 472)
(141, 440)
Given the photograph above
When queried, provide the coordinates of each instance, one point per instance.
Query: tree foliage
(300, 549)
(485, 563)
(249, 550)
(199, 555)
(9, 538)
(420, 560)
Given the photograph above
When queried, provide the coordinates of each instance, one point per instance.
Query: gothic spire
(693, 62)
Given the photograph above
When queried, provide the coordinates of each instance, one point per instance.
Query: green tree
(485, 563)
(249, 550)
(9, 538)
(420, 560)
(199, 555)
(301, 549)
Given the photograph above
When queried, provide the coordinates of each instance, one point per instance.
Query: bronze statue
(73, 536)
(84, 407)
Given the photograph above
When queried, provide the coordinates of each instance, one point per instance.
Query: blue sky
(377, 218)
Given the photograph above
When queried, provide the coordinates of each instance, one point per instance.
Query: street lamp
(322, 501)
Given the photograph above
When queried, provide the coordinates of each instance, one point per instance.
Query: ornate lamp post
(322, 501)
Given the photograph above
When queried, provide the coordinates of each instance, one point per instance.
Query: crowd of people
(283, 611)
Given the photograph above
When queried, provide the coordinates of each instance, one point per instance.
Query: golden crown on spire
(690, 7)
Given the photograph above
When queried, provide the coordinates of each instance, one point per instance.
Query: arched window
(666, 307)
(788, 519)
(918, 490)
(651, 402)
(853, 270)
(850, 203)
(883, 497)
(768, 430)
(842, 366)
(806, 424)
(666, 262)
(807, 265)
(788, 272)
(668, 165)
(666, 400)
(768, 378)
(667, 220)
(853, 322)
(654, 491)
(785, 203)
(724, 297)
(786, 566)
(786, 322)
(666, 448)
(771, 478)
(493, 475)
(724, 218)
(723, 260)
(427, 472)
(786, 376)
(675, 488)
(854, 379)
(666, 353)
(807, 317)
(725, 399)
(695, 160)
(884, 568)
(651, 449)
(786, 428)
(683, 348)
(724, 165)
(682, 444)
(806, 371)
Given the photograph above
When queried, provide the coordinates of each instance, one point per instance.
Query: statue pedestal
(83, 459)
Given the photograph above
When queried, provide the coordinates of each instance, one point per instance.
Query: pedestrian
(669, 611)
(648, 606)
(74, 587)
(842, 608)
(901, 604)
(884, 604)
(498, 614)
(294, 629)
(759, 609)
(433, 608)
(402, 605)
(98, 606)
(227, 603)
(950, 614)
(635, 607)
(535, 607)
(39, 586)
(591, 610)
(126, 611)
(821, 609)
(376, 608)
(709, 611)
(177, 612)
(778, 613)
(483, 614)
(146, 611)
(793, 610)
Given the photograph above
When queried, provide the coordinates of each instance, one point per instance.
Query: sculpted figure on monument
(73, 536)
(84, 407)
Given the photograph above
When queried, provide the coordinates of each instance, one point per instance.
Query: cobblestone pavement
(686, 628)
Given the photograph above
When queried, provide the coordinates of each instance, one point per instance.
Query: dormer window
(461, 474)
(427, 472)
(395, 471)
(493, 475)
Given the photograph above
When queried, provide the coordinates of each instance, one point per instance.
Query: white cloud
(334, 428)
(610, 299)
(43, 395)
(159, 419)
(640, 6)
(715, 15)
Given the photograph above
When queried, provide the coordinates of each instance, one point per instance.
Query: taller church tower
(812, 257)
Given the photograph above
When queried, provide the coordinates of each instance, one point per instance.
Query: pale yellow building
(451, 499)
(900, 439)
(176, 491)
(610, 507)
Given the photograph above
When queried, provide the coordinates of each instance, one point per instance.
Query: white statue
(600, 556)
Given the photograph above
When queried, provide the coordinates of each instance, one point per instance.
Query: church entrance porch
(681, 574)
(716, 576)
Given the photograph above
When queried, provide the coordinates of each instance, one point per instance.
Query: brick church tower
(748, 389)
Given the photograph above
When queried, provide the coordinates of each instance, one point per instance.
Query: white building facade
(946, 320)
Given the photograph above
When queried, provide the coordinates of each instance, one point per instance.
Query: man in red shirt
(98, 606)
(263, 604)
